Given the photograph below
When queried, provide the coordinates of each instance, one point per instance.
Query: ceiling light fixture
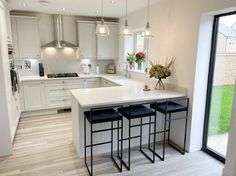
(25, 5)
(63, 9)
(44, 2)
(102, 28)
(147, 30)
(125, 30)
(112, 2)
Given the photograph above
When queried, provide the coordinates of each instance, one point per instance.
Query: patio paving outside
(219, 143)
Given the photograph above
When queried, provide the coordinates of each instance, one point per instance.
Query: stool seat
(136, 112)
(170, 107)
(101, 116)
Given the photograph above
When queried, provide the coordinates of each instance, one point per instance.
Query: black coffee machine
(41, 69)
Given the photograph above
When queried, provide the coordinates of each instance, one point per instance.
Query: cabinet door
(34, 95)
(16, 53)
(87, 40)
(91, 83)
(107, 47)
(25, 33)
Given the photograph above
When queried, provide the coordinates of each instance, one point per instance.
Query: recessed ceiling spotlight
(97, 11)
(44, 2)
(25, 5)
(113, 2)
(63, 9)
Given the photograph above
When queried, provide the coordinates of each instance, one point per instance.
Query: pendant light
(147, 30)
(125, 30)
(102, 28)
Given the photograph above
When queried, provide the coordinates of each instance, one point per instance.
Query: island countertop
(129, 91)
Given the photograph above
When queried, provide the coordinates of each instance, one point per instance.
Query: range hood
(59, 41)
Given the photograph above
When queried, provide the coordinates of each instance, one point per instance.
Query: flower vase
(159, 85)
(140, 66)
(131, 66)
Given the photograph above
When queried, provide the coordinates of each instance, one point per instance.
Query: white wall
(176, 26)
(5, 87)
(230, 164)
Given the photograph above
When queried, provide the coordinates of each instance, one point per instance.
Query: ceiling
(112, 8)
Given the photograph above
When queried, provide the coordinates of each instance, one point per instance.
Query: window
(141, 45)
(221, 83)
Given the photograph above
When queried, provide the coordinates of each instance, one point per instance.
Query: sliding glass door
(221, 82)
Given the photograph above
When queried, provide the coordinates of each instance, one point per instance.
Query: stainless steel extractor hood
(59, 41)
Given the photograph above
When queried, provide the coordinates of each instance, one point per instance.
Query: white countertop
(45, 78)
(130, 91)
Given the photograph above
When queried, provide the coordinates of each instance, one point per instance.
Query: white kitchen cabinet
(91, 83)
(106, 83)
(9, 32)
(34, 95)
(87, 39)
(107, 47)
(58, 94)
(25, 36)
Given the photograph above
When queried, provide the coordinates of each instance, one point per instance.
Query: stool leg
(141, 132)
(91, 136)
(169, 128)
(111, 138)
(129, 146)
(118, 138)
(164, 140)
(121, 152)
(149, 131)
(154, 138)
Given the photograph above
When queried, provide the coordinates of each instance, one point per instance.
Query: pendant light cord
(148, 10)
(126, 10)
(102, 8)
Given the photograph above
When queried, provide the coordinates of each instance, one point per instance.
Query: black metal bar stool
(134, 112)
(170, 107)
(103, 115)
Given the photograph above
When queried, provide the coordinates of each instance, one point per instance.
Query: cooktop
(62, 75)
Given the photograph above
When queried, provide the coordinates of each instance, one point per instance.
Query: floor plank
(43, 147)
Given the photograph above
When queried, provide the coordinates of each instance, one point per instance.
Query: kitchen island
(129, 92)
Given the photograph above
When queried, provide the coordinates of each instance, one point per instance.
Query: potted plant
(140, 59)
(160, 72)
(131, 59)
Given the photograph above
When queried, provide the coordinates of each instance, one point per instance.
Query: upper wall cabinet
(25, 36)
(87, 40)
(92, 46)
(107, 47)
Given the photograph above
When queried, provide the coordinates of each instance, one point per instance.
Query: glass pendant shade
(147, 31)
(125, 30)
(102, 29)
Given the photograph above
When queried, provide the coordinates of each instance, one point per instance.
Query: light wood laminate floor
(43, 147)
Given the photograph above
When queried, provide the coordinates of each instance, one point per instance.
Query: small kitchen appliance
(111, 68)
(41, 69)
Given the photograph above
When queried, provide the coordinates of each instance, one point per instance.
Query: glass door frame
(205, 148)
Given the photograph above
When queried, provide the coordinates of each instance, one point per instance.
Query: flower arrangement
(161, 72)
(131, 59)
(139, 59)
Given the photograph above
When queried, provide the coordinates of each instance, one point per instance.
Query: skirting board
(38, 113)
(227, 173)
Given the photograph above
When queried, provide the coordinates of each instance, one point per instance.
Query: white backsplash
(60, 61)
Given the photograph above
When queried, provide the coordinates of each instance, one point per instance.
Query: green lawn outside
(221, 109)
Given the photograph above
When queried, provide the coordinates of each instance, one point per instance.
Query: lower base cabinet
(34, 95)
(49, 94)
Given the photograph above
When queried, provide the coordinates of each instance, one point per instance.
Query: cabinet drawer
(58, 102)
